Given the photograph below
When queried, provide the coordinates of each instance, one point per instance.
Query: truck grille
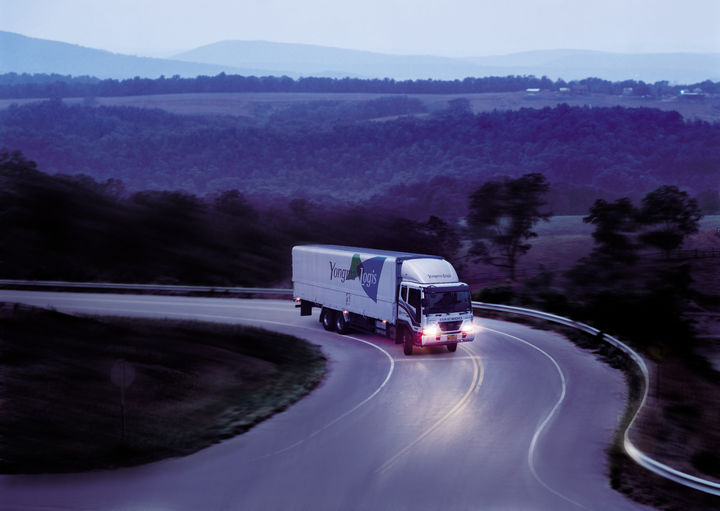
(450, 326)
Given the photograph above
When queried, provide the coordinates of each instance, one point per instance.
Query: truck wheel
(407, 340)
(452, 348)
(327, 318)
(341, 325)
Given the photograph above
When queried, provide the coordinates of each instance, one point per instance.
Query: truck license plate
(452, 337)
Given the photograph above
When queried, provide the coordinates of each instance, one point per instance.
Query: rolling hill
(306, 59)
(21, 54)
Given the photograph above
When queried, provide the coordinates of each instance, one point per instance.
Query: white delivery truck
(414, 299)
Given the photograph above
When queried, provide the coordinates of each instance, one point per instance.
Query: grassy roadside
(625, 475)
(194, 384)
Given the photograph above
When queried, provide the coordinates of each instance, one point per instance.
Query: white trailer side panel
(344, 279)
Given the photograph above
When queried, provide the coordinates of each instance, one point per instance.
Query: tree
(502, 214)
(612, 260)
(443, 239)
(672, 214)
(15, 161)
(234, 203)
(614, 221)
(459, 106)
(435, 236)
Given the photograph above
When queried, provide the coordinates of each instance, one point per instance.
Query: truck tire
(407, 341)
(327, 318)
(452, 347)
(341, 325)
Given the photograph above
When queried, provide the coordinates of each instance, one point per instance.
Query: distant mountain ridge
(21, 54)
(304, 59)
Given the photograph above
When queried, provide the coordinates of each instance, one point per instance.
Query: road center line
(478, 376)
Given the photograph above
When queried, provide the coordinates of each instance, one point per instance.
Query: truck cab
(433, 307)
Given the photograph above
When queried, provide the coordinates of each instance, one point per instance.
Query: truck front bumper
(445, 338)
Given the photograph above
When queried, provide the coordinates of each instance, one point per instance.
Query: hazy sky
(440, 27)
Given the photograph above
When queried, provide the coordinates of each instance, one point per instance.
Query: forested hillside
(78, 229)
(422, 163)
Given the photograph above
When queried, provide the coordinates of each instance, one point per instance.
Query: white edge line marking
(550, 415)
(353, 409)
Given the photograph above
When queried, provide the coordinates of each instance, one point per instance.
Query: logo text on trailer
(367, 273)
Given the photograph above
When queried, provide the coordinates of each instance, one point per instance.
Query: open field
(188, 385)
(247, 104)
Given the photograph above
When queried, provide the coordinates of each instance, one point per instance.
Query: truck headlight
(432, 330)
(467, 327)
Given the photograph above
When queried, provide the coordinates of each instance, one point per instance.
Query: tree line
(16, 86)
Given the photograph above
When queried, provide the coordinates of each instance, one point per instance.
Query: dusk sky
(447, 27)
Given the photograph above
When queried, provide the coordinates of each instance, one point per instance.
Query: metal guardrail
(144, 287)
(693, 253)
(636, 454)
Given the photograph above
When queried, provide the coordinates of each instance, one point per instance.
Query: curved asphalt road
(517, 420)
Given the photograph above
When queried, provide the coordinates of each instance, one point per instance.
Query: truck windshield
(448, 301)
